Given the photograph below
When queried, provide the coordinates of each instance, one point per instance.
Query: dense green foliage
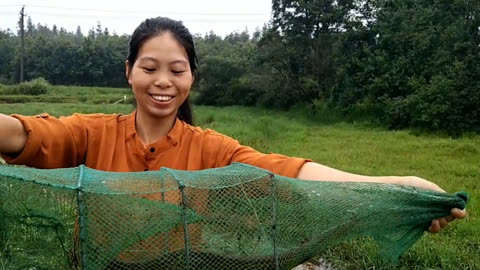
(411, 63)
(404, 63)
(419, 62)
(65, 58)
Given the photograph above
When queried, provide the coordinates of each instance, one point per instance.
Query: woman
(160, 69)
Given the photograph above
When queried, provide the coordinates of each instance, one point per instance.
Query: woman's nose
(162, 80)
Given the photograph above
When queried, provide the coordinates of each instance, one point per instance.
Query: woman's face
(160, 77)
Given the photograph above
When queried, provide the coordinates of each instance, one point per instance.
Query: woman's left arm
(318, 172)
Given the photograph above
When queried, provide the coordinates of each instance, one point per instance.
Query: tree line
(405, 63)
(65, 58)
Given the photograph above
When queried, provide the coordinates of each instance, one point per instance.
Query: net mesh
(236, 217)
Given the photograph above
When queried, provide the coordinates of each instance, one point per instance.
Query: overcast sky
(200, 16)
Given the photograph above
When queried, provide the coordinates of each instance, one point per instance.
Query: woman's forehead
(163, 46)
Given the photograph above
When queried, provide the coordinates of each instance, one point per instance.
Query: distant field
(454, 164)
(73, 94)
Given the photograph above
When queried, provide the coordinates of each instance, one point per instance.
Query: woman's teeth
(161, 98)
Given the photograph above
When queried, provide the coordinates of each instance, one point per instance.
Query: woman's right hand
(13, 136)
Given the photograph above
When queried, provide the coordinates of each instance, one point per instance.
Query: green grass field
(453, 164)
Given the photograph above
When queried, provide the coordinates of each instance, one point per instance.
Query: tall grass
(64, 94)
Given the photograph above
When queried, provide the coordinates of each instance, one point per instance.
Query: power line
(149, 11)
(225, 20)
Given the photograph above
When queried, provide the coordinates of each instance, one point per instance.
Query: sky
(122, 17)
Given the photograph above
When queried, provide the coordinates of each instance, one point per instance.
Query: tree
(224, 65)
(415, 61)
(8, 45)
(78, 33)
(30, 27)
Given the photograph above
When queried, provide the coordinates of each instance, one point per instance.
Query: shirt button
(152, 149)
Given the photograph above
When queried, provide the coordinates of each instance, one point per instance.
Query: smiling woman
(160, 68)
(161, 79)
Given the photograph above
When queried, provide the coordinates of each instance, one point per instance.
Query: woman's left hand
(438, 224)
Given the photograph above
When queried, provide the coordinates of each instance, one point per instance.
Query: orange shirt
(111, 143)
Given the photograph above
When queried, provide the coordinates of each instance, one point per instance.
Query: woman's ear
(128, 71)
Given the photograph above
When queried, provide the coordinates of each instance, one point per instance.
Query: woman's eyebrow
(179, 61)
(149, 58)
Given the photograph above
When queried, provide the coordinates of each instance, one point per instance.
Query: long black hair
(153, 27)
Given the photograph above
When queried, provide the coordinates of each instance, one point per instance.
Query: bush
(448, 103)
(35, 87)
(397, 112)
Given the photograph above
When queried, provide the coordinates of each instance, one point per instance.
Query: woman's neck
(151, 129)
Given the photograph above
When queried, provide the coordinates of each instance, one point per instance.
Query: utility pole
(22, 33)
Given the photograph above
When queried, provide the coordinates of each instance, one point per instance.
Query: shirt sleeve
(51, 142)
(230, 150)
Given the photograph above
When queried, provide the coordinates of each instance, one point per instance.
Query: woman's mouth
(161, 98)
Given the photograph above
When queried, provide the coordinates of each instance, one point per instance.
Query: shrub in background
(448, 102)
(34, 87)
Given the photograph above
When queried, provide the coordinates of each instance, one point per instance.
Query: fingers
(438, 224)
(434, 227)
(443, 222)
(458, 213)
(450, 218)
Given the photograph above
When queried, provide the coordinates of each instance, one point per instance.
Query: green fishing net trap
(236, 217)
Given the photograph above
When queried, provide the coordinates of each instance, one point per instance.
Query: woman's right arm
(12, 135)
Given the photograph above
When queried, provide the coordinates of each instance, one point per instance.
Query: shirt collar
(130, 130)
(174, 135)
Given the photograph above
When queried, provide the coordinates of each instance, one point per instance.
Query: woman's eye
(149, 69)
(178, 71)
